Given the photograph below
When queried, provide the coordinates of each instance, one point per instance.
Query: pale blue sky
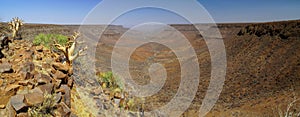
(74, 11)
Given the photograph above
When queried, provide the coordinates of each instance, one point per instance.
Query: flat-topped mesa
(69, 48)
(15, 25)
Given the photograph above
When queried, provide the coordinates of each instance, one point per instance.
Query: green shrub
(48, 39)
(45, 109)
(110, 81)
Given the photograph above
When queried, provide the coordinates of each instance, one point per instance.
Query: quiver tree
(69, 48)
(15, 25)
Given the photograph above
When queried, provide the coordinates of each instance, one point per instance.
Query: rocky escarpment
(33, 81)
(283, 30)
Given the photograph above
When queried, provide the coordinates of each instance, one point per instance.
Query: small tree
(69, 48)
(15, 25)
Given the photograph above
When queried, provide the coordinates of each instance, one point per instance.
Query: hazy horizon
(73, 12)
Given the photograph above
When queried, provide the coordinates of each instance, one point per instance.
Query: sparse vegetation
(68, 49)
(45, 109)
(116, 89)
(291, 110)
(47, 40)
(78, 105)
(281, 31)
(15, 25)
(108, 80)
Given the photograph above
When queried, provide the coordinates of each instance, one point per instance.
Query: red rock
(46, 88)
(63, 109)
(3, 101)
(23, 90)
(34, 98)
(17, 102)
(70, 82)
(60, 66)
(43, 79)
(36, 90)
(59, 75)
(11, 87)
(70, 71)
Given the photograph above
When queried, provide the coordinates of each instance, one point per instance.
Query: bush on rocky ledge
(48, 39)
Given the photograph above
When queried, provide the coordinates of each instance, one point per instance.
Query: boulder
(17, 102)
(3, 101)
(28, 67)
(67, 95)
(10, 111)
(36, 97)
(23, 90)
(11, 87)
(5, 67)
(46, 88)
(70, 82)
(43, 79)
(60, 66)
(63, 109)
(60, 75)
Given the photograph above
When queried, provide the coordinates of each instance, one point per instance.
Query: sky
(74, 11)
